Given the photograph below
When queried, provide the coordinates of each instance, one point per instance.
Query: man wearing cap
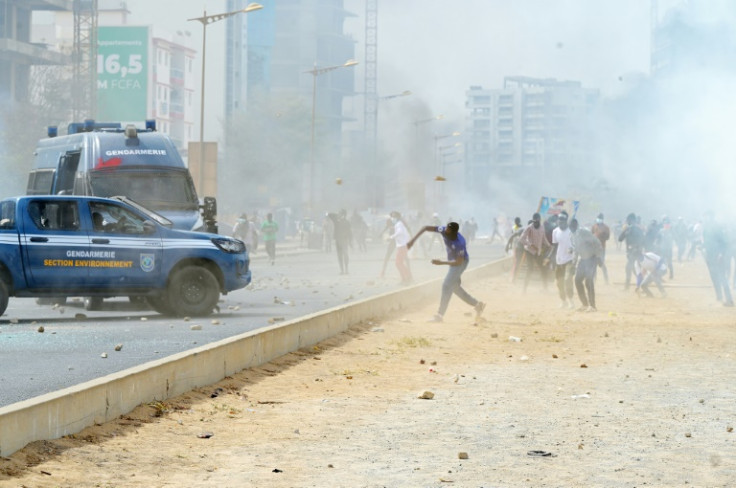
(603, 233)
(457, 260)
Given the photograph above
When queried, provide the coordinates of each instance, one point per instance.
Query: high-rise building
(693, 37)
(270, 52)
(529, 128)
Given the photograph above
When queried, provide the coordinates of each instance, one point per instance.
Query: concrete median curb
(70, 410)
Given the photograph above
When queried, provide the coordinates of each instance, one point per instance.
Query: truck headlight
(232, 246)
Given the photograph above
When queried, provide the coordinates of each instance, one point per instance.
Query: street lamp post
(205, 20)
(419, 169)
(316, 71)
(436, 140)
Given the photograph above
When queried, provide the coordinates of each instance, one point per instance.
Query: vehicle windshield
(158, 191)
(147, 211)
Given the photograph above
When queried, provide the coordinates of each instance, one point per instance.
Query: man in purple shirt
(457, 260)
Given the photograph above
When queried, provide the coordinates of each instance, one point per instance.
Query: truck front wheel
(193, 290)
(160, 303)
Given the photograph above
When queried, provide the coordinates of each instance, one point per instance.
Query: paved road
(69, 350)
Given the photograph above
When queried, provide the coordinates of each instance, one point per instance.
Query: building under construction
(20, 52)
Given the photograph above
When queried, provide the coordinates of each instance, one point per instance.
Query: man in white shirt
(649, 267)
(401, 237)
(565, 270)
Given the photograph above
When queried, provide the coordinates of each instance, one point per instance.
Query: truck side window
(54, 215)
(7, 215)
(112, 218)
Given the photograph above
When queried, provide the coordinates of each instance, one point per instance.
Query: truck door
(66, 173)
(52, 238)
(125, 252)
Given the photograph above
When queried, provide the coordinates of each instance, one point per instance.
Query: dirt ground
(639, 393)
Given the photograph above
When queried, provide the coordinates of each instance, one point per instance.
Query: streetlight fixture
(316, 71)
(405, 93)
(205, 20)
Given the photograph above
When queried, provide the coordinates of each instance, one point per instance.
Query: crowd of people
(557, 248)
(574, 253)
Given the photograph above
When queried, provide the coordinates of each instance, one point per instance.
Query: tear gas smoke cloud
(664, 144)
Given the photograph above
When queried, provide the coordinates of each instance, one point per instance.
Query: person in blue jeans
(457, 260)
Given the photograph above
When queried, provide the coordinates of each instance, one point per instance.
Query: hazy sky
(438, 49)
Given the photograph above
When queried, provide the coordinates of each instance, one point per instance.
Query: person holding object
(457, 260)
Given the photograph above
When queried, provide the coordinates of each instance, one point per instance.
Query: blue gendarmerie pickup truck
(59, 246)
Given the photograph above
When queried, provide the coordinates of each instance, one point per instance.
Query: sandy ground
(639, 393)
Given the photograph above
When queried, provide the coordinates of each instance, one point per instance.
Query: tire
(93, 303)
(160, 303)
(193, 291)
(4, 296)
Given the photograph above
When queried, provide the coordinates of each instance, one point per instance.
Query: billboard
(122, 73)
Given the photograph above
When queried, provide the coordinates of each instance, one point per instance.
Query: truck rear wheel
(193, 290)
(3, 297)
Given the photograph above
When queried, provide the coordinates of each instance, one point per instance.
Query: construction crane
(84, 59)
(370, 115)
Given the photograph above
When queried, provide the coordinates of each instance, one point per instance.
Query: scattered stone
(376, 329)
(514, 339)
(103, 355)
(583, 365)
(205, 435)
(688, 434)
(729, 429)
(195, 327)
(462, 455)
(13, 321)
(494, 335)
(144, 319)
(215, 322)
(554, 356)
(273, 320)
(118, 347)
(426, 395)
(422, 361)
(41, 329)
(187, 319)
(524, 358)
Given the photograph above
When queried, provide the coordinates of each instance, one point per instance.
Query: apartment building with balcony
(530, 128)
